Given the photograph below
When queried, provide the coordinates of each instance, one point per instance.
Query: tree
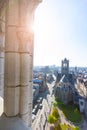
(51, 119)
(55, 112)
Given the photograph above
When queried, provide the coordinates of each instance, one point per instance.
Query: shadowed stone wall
(2, 49)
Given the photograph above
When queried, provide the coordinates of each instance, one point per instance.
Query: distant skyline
(61, 31)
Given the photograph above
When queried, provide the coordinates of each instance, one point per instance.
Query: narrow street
(40, 123)
(83, 125)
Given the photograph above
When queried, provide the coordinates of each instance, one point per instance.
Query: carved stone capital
(24, 35)
(29, 5)
(25, 40)
(33, 4)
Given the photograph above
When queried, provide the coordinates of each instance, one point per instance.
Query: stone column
(25, 34)
(26, 49)
(12, 60)
(24, 37)
(19, 59)
(2, 48)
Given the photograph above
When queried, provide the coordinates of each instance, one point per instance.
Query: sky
(61, 31)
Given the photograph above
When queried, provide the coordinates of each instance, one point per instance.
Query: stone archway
(16, 40)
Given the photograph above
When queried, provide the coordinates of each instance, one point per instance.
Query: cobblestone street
(83, 125)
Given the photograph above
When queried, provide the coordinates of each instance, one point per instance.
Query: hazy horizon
(61, 31)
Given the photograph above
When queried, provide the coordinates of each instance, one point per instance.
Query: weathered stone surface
(24, 11)
(1, 65)
(30, 96)
(25, 37)
(2, 26)
(2, 14)
(30, 68)
(1, 81)
(24, 61)
(11, 101)
(2, 54)
(12, 69)
(12, 12)
(2, 37)
(26, 7)
(24, 93)
(30, 114)
(30, 92)
(2, 49)
(12, 43)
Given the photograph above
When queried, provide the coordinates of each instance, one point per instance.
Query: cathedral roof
(64, 79)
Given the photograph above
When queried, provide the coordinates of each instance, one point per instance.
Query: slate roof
(64, 79)
(37, 81)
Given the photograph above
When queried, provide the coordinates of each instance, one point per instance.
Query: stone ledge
(13, 123)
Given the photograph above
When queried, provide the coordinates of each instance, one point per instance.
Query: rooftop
(64, 79)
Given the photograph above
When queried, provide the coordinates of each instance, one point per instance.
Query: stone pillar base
(12, 123)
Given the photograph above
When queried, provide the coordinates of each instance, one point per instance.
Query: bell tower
(65, 67)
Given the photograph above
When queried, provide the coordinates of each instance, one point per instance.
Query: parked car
(40, 106)
(33, 117)
(36, 106)
(34, 111)
(40, 100)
